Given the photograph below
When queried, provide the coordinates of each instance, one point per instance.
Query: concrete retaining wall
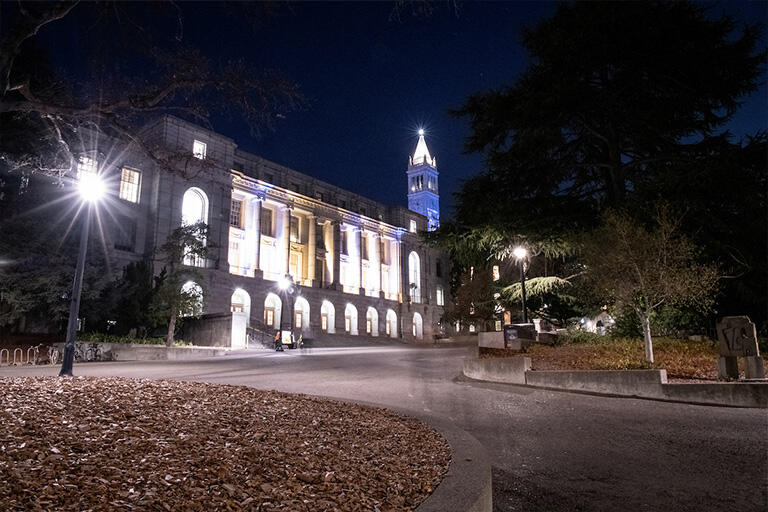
(86, 351)
(510, 370)
(650, 384)
(624, 382)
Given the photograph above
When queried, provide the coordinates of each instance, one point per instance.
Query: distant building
(360, 266)
(423, 193)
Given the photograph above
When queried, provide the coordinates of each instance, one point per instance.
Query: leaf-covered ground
(684, 359)
(121, 444)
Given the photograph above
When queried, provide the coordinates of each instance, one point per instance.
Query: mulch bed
(121, 444)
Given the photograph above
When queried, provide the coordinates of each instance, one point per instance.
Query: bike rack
(32, 359)
(7, 356)
(21, 356)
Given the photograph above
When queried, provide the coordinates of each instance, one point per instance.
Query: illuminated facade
(360, 266)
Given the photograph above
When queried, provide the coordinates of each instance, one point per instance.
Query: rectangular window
(439, 296)
(294, 231)
(324, 322)
(319, 196)
(388, 329)
(130, 184)
(125, 235)
(413, 226)
(294, 265)
(345, 242)
(364, 247)
(295, 187)
(368, 326)
(87, 165)
(297, 320)
(269, 178)
(269, 317)
(236, 214)
(266, 222)
(438, 268)
(347, 324)
(199, 149)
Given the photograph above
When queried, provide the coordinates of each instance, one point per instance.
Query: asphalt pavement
(551, 451)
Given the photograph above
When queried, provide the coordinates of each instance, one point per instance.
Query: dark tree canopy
(614, 92)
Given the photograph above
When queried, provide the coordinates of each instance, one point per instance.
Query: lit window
(472, 328)
(236, 214)
(199, 149)
(294, 229)
(498, 325)
(130, 184)
(413, 226)
(496, 275)
(87, 165)
(439, 296)
(266, 222)
(364, 247)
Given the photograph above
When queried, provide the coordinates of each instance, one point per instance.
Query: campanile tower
(423, 195)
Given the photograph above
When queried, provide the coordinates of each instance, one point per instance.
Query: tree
(641, 269)
(186, 244)
(160, 74)
(614, 91)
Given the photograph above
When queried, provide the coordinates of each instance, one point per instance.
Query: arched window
(327, 317)
(372, 322)
(272, 309)
(301, 315)
(418, 326)
(391, 325)
(192, 299)
(194, 207)
(350, 320)
(241, 303)
(414, 276)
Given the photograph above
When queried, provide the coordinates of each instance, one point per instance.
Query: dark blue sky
(373, 81)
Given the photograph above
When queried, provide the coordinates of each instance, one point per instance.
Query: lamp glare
(520, 252)
(91, 187)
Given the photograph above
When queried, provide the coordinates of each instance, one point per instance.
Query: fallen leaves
(121, 444)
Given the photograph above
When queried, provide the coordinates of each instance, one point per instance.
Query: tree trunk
(171, 326)
(645, 320)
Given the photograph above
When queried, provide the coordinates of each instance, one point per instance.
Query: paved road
(551, 451)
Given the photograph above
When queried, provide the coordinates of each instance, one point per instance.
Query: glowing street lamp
(521, 254)
(91, 189)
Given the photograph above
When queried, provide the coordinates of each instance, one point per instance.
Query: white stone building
(360, 266)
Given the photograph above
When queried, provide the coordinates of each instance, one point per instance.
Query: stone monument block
(737, 337)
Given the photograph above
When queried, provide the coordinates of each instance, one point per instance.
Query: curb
(466, 487)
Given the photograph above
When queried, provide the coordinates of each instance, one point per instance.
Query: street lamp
(286, 285)
(91, 189)
(521, 254)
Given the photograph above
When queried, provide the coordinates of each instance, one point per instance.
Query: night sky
(373, 81)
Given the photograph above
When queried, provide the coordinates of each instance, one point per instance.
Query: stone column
(360, 259)
(285, 236)
(256, 210)
(336, 227)
(311, 246)
(380, 257)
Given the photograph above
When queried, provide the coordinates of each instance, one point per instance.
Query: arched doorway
(327, 317)
(272, 309)
(418, 326)
(240, 305)
(301, 316)
(350, 320)
(372, 322)
(192, 301)
(391, 325)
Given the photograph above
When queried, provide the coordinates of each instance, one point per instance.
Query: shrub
(574, 335)
(98, 337)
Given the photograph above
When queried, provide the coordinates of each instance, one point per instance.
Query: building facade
(359, 267)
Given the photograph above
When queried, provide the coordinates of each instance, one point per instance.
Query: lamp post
(521, 254)
(286, 285)
(91, 189)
